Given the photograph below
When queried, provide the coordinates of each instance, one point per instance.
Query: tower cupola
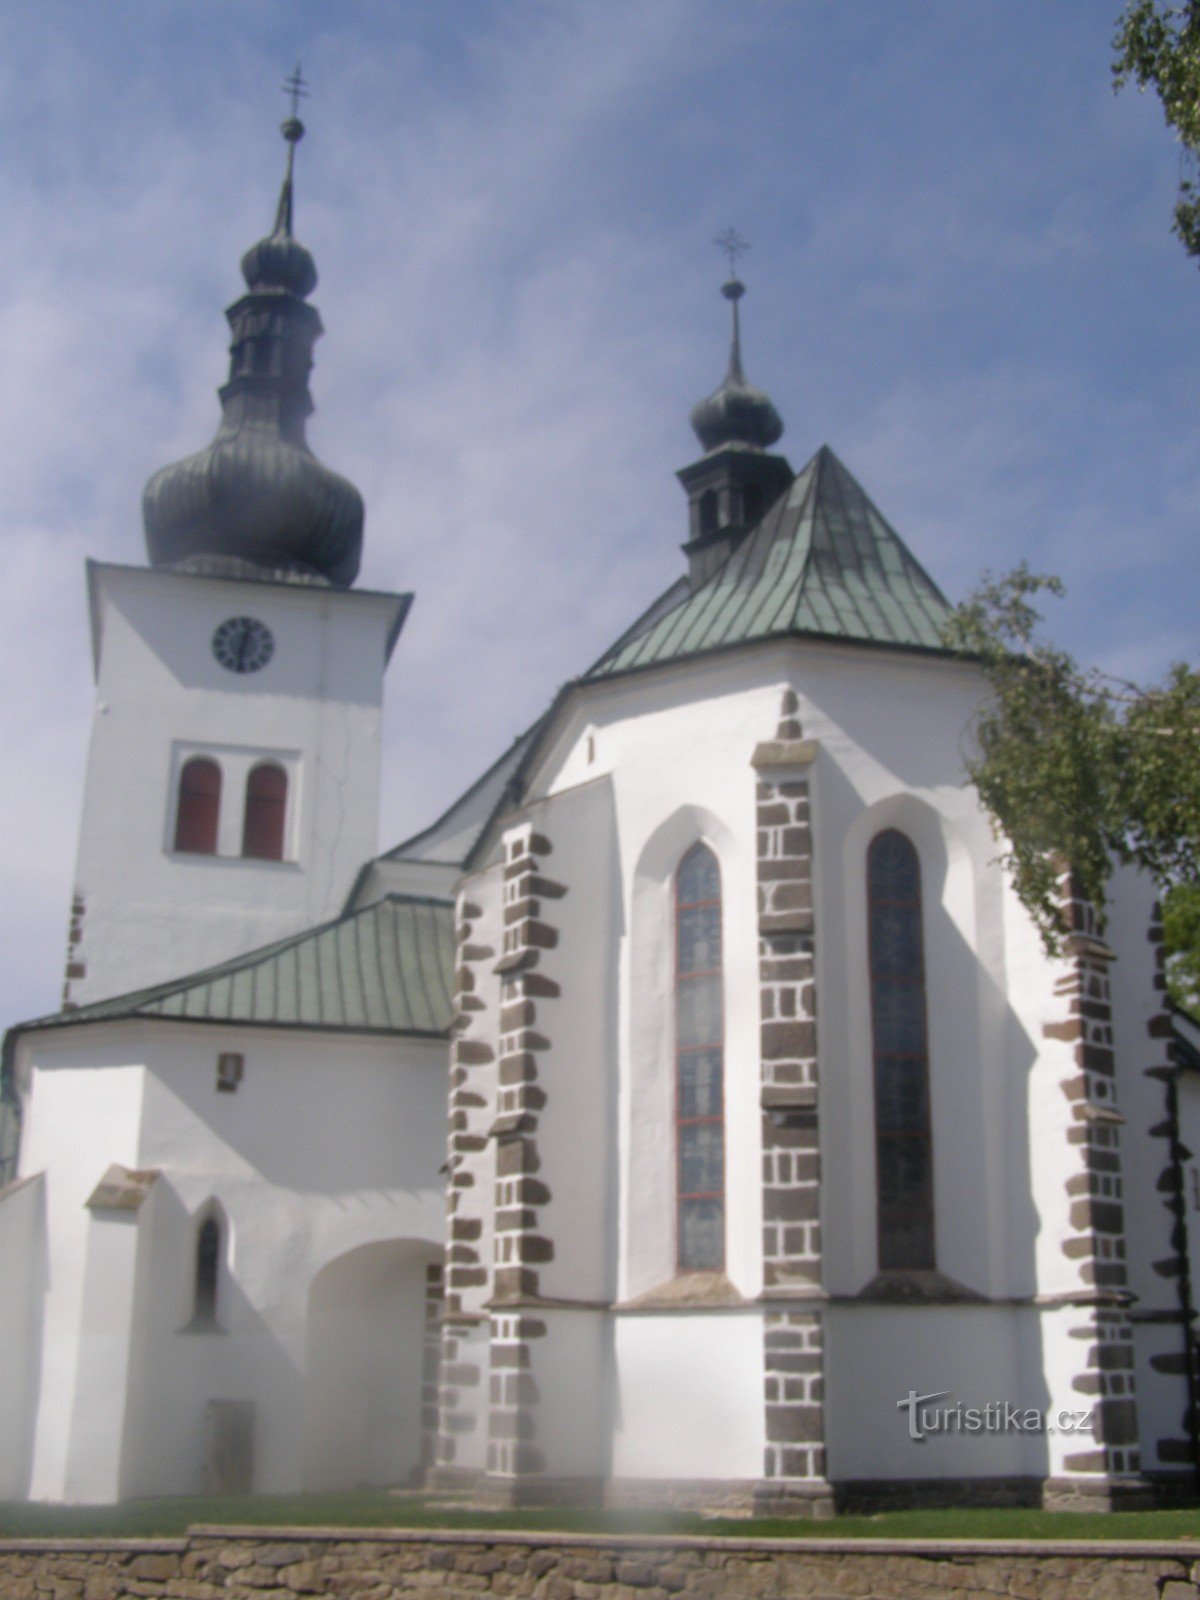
(256, 501)
(736, 480)
(735, 413)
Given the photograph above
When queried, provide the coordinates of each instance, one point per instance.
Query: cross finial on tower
(296, 88)
(732, 243)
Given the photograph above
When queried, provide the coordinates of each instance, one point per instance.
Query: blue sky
(961, 277)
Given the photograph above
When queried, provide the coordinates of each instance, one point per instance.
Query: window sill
(688, 1291)
(917, 1286)
(214, 860)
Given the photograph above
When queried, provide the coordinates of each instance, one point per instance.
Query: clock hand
(243, 647)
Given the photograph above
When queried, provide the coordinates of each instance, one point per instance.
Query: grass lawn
(144, 1518)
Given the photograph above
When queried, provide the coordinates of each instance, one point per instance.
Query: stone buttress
(521, 1246)
(462, 1401)
(1169, 1433)
(793, 1326)
(1088, 1330)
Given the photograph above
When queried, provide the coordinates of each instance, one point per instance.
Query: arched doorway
(370, 1331)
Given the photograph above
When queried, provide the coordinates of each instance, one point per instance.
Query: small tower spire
(735, 413)
(735, 481)
(731, 242)
(733, 291)
(293, 131)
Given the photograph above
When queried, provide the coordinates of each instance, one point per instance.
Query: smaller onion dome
(279, 261)
(256, 500)
(736, 413)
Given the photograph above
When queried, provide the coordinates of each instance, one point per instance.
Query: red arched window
(699, 1065)
(903, 1149)
(266, 809)
(198, 811)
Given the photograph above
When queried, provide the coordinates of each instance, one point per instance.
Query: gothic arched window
(708, 511)
(266, 809)
(699, 1064)
(198, 809)
(903, 1149)
(208, 1265)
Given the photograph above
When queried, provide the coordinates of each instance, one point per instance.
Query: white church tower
(233, 778)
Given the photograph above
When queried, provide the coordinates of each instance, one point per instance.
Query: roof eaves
(396, 853)
(147, 1003)
(515, 787)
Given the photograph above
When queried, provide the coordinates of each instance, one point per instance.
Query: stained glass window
(903, 1149)
(699, 1064)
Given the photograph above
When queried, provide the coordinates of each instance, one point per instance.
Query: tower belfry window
(198, 808)
(266, 812)
(708, 511)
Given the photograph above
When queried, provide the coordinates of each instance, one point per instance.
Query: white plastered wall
(576, 1136)
(23, 1276)
(81, 1114)
(689, 1396)
(891, 730)
(331, 1143)
(150, 912)
(970, 1356)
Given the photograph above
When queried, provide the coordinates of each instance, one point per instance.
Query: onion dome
(256, 501)
(736, 414)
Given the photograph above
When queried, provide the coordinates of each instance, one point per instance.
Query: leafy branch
(1077, 765)
(1157, 47)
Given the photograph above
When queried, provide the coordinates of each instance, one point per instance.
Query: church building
(689, 1116)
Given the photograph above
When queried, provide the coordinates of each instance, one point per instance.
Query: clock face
(243, 644)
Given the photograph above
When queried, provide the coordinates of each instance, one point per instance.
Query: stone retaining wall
(297, 1563)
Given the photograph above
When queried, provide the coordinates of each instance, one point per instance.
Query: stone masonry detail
(1177, 1449)
(522, 1244)
(281, 1563)
(1095, 1245)
(466, 1273)
(431, 1364)
(793, 1334)
(76, 967)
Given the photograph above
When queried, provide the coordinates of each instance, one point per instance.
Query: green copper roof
(822, 562)
(386, 969)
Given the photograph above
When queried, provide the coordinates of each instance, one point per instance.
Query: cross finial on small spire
(732, 244)
(296, 88)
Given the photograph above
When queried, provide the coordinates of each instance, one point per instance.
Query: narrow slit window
(208, 1263)
(699, 1065)
(708, 511)
(903, 1146)
(198, 808)
(266, 812)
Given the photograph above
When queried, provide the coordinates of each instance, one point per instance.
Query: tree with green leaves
(1157, 47)
(1074, 765)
